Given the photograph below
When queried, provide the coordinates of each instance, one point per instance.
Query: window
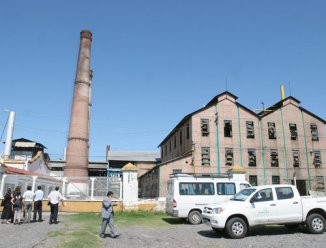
(250, 129)
(228, 156)
(284, 193)
(274, 158)
(175, 141)
(314, 132)
(180, 137)
(320, 183)
(227, 128)
(252, 157)
(271, 130)
(276, 180)
(317, 159)
(205, 156)
(204, 124)
(170, 145)
(177, 171)
(293, 131)
(196, 189)
(253, 180)
(166, 149)
(263, 195)
(296, 158)
(188, 131)
(225, 188)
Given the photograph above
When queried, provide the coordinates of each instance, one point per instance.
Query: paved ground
(172, 236)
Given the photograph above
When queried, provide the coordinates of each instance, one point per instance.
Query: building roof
(22, 142)
(134, 156)
(210, 103)
(279, 105)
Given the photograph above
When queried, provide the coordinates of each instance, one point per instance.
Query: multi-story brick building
(284, 143)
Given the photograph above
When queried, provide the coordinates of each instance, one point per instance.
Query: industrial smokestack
(9, 135)
(78, 139)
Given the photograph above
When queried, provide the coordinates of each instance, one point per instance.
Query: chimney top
(86, 34)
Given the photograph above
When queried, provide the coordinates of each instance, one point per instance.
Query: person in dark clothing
(38, 197)
(7, 207)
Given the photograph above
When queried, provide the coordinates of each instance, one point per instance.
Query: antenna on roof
(226, 83)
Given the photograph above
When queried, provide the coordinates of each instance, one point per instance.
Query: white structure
(130, 185)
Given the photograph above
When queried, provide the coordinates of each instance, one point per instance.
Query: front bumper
(216, 220)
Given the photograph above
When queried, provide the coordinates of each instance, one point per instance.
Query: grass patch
(139, 218)
(82, 229)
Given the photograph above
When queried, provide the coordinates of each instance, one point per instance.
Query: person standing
(107, 216)
(7, 207)
(38, 197)
(17, 202)
(54, 198)
(28, 201)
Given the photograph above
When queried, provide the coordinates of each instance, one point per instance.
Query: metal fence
(72, 188)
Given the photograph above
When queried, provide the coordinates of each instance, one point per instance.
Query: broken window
(314, 132)
(253, 180)
(293, 131)
(320, 186)
(252, 157)
(296, 158)
(250, 129)
(271, 130)
(204, 123)
(274, 158)
(228, 156)
(276, 180)
(227, 128)
(205, 156)
(317, 159)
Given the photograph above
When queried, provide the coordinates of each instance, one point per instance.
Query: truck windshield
(243, 194)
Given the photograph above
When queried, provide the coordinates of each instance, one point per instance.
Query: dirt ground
(173, 236)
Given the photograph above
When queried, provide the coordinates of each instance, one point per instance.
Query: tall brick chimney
(78, 138)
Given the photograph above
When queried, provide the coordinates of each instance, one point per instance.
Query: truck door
(262, 208)
(288, 205)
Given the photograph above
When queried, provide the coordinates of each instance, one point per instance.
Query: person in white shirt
(28, 200)
(54, 198)
(38, 197)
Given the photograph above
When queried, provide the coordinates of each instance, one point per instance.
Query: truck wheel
(316, 223)
(194, 217)
(236, 228)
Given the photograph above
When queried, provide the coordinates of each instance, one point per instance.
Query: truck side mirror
(252, 200)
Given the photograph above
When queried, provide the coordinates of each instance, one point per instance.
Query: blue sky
(154, 62)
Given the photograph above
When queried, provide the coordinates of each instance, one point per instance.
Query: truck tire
(236, 228)
(194, 217)
(316, 223)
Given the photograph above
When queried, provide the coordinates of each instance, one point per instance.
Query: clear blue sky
(154, 62)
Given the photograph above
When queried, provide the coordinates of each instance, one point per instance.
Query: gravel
(172, 236)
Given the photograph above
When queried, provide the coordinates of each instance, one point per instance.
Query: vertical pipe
(282, 92)
(218, 160)
(306, 149)
(262, 149)
(239, 131)
(284, 147)
(9, 135)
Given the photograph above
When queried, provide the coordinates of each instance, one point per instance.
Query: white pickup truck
(266, 205)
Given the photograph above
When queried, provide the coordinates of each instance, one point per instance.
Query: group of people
(15, 203)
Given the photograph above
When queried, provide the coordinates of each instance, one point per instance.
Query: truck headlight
(217, 210)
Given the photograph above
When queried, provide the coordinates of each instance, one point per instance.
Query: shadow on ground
(257, 231)
(174, 221)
